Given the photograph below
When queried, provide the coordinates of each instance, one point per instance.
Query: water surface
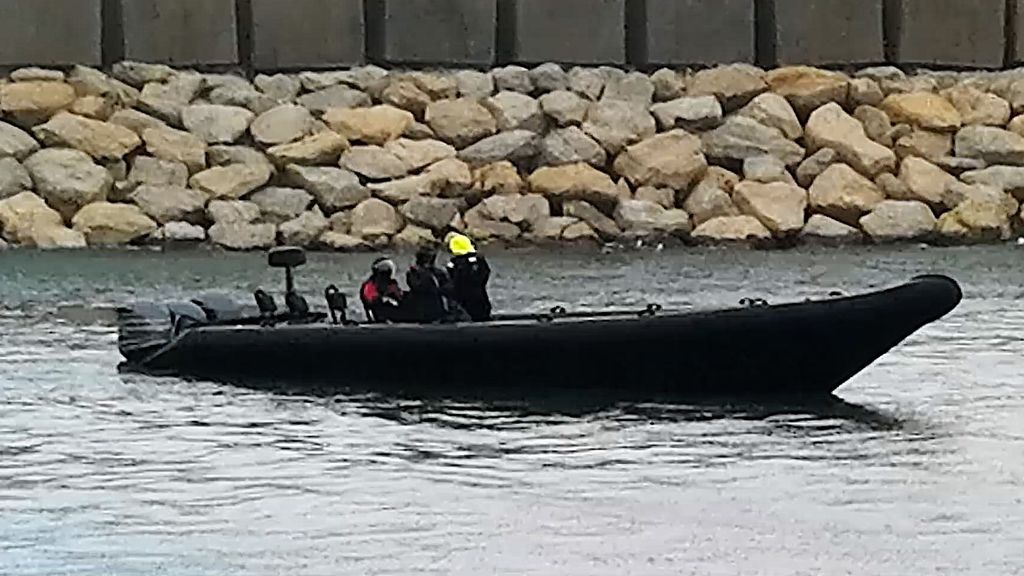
(916, 469)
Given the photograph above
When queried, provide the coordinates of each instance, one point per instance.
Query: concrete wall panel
(1015, 32)
(568, 31)
(293, 34)
(821, 32)
(432, 31)
(969, 33)
(50, 32)
(179, 32)
(667, 32)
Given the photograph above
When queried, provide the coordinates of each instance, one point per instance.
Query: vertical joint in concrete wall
(637, 52)
(1010, 33)
(373, 12)
(892, 23)
(765, 31)
(244, 24)
(113, 35)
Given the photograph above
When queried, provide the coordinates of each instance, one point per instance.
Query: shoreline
(369, 159)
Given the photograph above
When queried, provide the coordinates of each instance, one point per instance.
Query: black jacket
(428, 290)
(469, 274)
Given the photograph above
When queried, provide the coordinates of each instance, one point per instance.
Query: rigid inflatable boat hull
(798, 349)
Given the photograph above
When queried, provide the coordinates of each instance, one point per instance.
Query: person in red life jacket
(380, 293)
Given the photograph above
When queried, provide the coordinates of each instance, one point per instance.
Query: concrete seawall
(270, 35)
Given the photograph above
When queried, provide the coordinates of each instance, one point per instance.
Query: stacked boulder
(367, 158)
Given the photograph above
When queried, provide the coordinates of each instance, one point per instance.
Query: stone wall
(278, 35)
(367, 157)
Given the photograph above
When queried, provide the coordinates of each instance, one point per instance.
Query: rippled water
(918, 469)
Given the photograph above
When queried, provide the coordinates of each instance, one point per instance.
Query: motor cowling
(144, 327)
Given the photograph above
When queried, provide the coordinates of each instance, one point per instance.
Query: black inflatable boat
(801, 349)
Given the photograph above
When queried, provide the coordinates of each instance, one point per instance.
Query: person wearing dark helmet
(429, 288)
(380, 294)
(469, 273)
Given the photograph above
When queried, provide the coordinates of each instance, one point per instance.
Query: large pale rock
(734, 85)
(232, 182)
(232, 211)
(876, 124)
(578, 181)
(334, 189)
(432, 213)
(479, 226)
(374, 125)
(404, 189)
(436, 85)
(95, 107)
(91, 82)
(36, 74)
(824, 230)
(586, 82)
(279, 205)
(523, 211)
(814, 165)
(924, 110)
(865, 91)
(100, 140)
(176, 146)
(957, 166)
(515, 111)
(975, 221)
(281, 125)
(474, 84)
(668, 85)
(633, 87)
(216, 124)
(406, 95)
(766, 169)
(135, 121)
(564, 107)
(602, 225)
(549, 77)
(993, 145)
(731, 229)
(108, 224)
(139, 74)
(708, 200)
(779, 206)
(691, 113)
(280, 87)
(843, 194)
(30, 103)
(774, 111)
(664, 197)
(179, 232)
(22, 213)
(321, 101)
(925, 181)
(929, 145)
(451, 177)
(223, 155)
(324, 147)
(170, 203)
(342, 242)
(166, 100)
(416, 154)
(579, 233)
(243, 236)
(897, 220)
(551, 229)
(807, 89)
(643, 218)
(68, 179)
(516, 146)
(513, 78)
(1009, 179)
(373, 162)
(569, 146)
(977, 107)
(16, 142)
(243, 97)
(672, 159)
(373, 218)
(616, 124)
(741, 137)
(460, 122)
(958, 192)
(14, 178)
(831, 127)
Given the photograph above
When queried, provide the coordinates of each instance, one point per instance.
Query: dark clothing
(469, 274)
(429, 287)
(381, 300)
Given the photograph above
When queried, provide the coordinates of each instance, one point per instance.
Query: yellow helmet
(459, 245)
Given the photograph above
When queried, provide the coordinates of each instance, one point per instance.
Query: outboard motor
(146, 327)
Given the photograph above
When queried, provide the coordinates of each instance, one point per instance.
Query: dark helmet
(383, 266)
(426, 255)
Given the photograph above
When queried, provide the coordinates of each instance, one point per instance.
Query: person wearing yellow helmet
(469, 273)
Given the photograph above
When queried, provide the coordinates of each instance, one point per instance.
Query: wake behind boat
(800, 349)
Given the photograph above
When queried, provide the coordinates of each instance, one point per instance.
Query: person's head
(426, 255)
(460, 245)
(383, 268)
